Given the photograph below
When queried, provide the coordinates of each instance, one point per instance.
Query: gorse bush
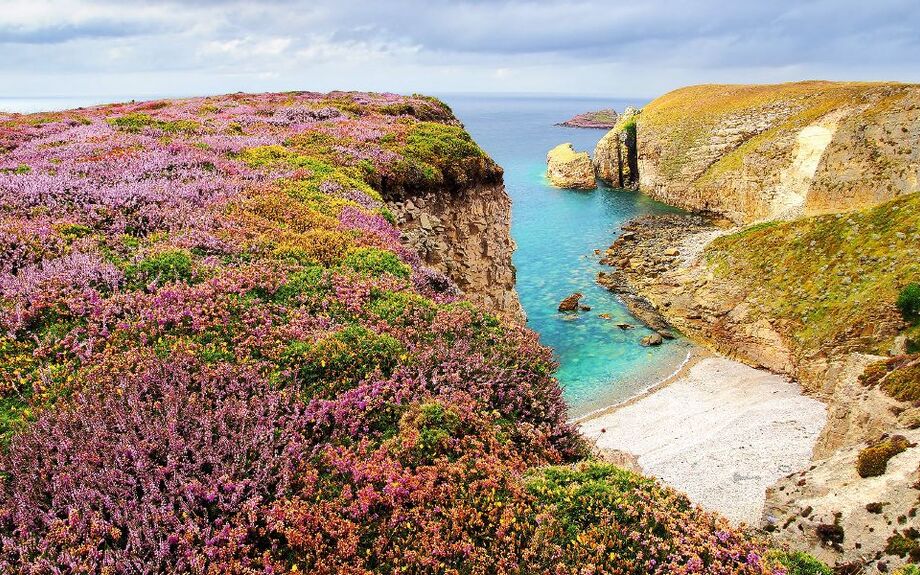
(909, 302)
(873, 460)
(217, 356)
(799, 563)
(375, 262)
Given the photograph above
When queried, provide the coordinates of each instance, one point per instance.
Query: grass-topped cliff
(218, 356)
(760, 152)
(832, 282)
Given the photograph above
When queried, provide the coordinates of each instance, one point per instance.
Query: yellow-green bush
(873, 460)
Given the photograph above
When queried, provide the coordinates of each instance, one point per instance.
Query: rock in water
(570, 303)
(651, 340)
(603, 119)
(567, 168)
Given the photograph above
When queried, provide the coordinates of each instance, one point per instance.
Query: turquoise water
(557, 232)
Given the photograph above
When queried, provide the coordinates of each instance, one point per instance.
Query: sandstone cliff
(615, 156)
(567, 168)
(762, 152)
(462, 228)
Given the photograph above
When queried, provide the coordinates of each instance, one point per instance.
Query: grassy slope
(833, 279)
(688, 116)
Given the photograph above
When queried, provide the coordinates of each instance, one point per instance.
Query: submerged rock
(570, 303)
(652, 340)
(567, 168)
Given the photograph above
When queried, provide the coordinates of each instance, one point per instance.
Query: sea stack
(567, 168)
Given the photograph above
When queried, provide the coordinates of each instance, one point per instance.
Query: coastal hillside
(827, 300)
(220, 354)
(763, 152)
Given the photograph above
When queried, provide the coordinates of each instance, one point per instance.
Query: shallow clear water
(557, 232)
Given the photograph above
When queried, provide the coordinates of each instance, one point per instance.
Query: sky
(627, 49)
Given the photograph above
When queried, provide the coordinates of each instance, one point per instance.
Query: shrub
(339, 361)
(873, 460)
(909, 302)
(376, 262)
(161, 268)
(799, 563)
(163, 472)
(909, 569)
(134, 122)
(902, 546)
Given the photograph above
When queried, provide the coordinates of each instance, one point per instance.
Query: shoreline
(718, 430)
(694, 355)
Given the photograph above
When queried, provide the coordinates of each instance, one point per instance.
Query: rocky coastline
(660, 270)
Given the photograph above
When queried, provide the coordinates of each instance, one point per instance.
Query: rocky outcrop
(615, 156)
(567, 168)
(570, 303)
(765, 152)
(462, 228)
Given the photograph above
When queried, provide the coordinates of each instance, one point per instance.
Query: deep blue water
(557, 232)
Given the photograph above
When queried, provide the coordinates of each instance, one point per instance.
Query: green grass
(829, 279)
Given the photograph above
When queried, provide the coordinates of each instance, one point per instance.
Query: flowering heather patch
(217, 356)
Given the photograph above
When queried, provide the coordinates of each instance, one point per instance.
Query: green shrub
(308, 285)
(341, 360)
(798, 563)
(394, 306)
(873, 460)
(909, 569)
(909, 302)
(434, 425)
(376, 262)
(901, 545)
(134, 122)
(161, 268)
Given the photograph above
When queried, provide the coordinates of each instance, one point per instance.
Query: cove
(557, 232)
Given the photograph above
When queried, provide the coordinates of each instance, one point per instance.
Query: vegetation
(218, 356)
(832, 280)
(909, 302)
(799, 563)
(873, 460)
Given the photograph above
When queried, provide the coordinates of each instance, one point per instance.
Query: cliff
(762, 152)
(814, 299)
(615, 156)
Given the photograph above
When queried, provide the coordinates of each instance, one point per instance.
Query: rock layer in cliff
(760, 152)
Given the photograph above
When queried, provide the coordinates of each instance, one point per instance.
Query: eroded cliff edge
(763, 152)
(463, 229)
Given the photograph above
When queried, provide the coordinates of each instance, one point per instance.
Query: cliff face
(465, 234)
(754, 153)
(814, 299)
(615, 156)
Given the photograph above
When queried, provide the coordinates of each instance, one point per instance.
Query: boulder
(570, 303)
(567, 168)
(651, 340)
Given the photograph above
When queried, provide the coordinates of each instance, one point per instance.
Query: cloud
(437, 45)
